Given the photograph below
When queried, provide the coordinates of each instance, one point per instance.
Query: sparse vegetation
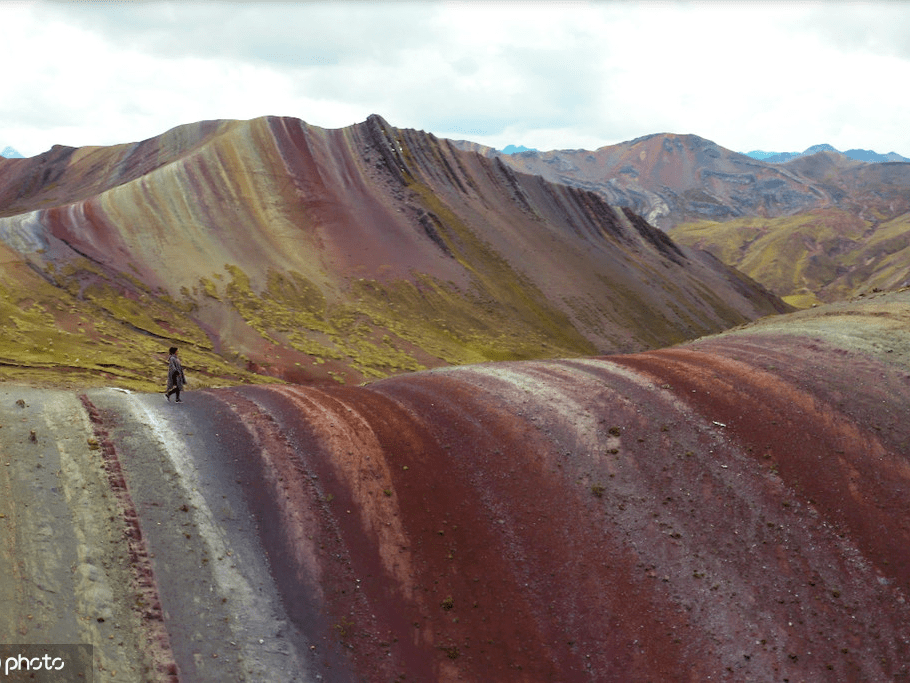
(88, 332)
(817, 256)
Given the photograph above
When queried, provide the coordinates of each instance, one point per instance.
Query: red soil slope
(735, 509)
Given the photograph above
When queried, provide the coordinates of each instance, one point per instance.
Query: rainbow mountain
(278, 248)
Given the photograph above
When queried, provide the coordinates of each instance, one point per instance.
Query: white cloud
(546, 75)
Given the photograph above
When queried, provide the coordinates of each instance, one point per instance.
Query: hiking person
(175, 376)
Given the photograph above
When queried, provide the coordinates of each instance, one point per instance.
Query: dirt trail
(223, 613)
(64, 541)
(69, 541)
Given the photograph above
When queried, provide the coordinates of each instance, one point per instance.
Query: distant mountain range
(866, 155)
(671, 179)
(10, 153)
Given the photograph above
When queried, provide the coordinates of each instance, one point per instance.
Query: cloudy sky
(550, 75)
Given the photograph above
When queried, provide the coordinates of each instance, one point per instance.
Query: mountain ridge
(306, 253)
(671, 178)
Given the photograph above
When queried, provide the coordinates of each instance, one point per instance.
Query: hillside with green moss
(823, 255)
(56, 333)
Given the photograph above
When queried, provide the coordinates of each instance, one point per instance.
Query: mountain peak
(517, 149)
(10, 153)
(824, 147)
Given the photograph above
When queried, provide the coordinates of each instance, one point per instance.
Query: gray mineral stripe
(101, 582)
(258, 620)
(38, 542)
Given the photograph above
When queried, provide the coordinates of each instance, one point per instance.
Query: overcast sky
(550, 75)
